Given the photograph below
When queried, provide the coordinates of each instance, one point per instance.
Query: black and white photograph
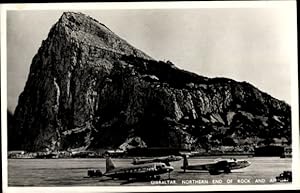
(178, 95)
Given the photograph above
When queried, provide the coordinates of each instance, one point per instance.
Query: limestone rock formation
(88, 88)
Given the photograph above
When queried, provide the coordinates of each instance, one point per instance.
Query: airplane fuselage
(142, 171)
(219, 166)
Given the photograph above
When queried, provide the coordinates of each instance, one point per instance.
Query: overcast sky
(245, 44)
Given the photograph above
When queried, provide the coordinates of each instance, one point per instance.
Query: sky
(244, 44)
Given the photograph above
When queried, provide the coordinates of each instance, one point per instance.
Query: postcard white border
(153, 5)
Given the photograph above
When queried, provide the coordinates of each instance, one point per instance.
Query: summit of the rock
(86, 30)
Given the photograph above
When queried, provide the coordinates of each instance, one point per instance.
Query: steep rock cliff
(88, 88)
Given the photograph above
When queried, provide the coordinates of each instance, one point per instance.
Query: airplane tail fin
(109, 164)
(135, 160)
(185, 161)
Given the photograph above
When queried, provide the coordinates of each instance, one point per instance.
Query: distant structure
(287, 152)
(83, 154)
(114, 153)
(16, 154)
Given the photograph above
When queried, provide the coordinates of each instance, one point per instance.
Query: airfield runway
(73, 172)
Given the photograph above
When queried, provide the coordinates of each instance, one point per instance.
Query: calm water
(73, 172)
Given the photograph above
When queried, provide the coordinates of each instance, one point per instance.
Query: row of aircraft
(149, 169)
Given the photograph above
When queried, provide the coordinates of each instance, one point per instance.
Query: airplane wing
(220, 165)
(167, 163)
(215, 168)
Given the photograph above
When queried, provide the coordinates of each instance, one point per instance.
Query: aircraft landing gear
(227, 170)
(153, 177)
(214, 172)
(94, 173)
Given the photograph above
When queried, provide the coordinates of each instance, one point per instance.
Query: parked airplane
(145, 171)
(217, 167)
(166, 160)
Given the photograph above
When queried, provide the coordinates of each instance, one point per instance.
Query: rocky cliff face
(89, 89)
